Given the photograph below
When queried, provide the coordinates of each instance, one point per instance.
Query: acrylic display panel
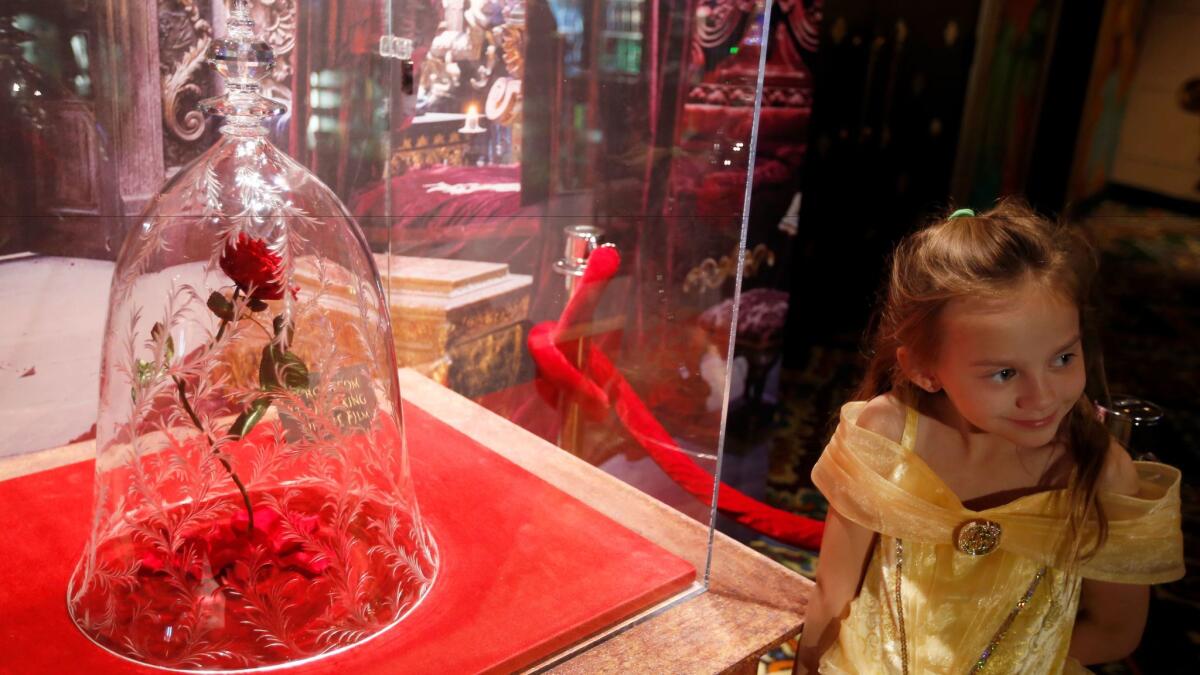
(543, 130)
(632, 122)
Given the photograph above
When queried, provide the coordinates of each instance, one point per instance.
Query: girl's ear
(916, 374)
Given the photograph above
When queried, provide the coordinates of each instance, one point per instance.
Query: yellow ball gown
(952, 590)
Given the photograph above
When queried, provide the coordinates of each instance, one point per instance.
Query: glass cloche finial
(253, 506)
(243, 61)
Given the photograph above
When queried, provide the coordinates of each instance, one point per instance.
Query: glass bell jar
(253, 506)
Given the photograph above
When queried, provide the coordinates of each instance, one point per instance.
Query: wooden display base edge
(751, 604)
(547, 664)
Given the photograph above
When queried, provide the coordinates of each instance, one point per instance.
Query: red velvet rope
(603, 388)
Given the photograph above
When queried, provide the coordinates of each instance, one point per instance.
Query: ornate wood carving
(711, 274)
(718, 19)
(184, 36)
(185, 32)
(731, 81)
(429, 149)
(803, 23)
(717, 22)
(503, 102)
(465, 54)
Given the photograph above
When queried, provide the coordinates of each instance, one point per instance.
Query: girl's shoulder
(884, 415)
(1118, 475)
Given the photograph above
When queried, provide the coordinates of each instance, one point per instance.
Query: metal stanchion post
(579, 242)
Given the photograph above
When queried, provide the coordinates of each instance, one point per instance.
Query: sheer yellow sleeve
(1145, 535)
(883, 486)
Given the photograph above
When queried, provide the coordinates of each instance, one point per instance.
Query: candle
(471, 125)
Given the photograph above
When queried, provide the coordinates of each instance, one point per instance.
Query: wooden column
(129, 98)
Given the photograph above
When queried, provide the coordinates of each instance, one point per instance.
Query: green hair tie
(960, 213)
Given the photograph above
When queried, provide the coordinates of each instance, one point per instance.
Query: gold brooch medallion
(978, 537)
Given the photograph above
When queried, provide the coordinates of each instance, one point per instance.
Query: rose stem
(187, 407)
(183, 396)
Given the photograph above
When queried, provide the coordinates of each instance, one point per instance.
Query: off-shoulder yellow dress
(951, 590)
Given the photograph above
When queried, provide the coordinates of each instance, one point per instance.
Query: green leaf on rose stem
(278, 324)
(220, 305)
(250, 417)
(145, 371)
(276, 364)
(156, 333)
(295, 372)
(266, 369)
(256, 305)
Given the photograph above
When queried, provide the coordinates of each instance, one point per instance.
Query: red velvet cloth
(602, 383)
(418, 203)
(427, 220)
(527, 570)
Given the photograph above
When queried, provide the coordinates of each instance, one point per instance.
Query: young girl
(981, 518)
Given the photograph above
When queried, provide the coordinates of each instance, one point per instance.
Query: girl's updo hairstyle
(989, 255)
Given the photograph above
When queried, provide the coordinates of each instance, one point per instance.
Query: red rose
(253, 267)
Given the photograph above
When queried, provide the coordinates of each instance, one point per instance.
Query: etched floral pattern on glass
(253, 505)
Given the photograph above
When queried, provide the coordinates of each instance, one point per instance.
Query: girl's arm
(1110, 621)
(1111, 616)
(843, 560)
(844, 553)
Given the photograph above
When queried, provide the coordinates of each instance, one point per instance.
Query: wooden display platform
(752, 604)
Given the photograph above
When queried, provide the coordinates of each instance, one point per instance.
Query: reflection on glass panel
(338, 89)
(540, 131)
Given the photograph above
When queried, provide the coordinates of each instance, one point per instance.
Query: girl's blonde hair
(982, 256)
